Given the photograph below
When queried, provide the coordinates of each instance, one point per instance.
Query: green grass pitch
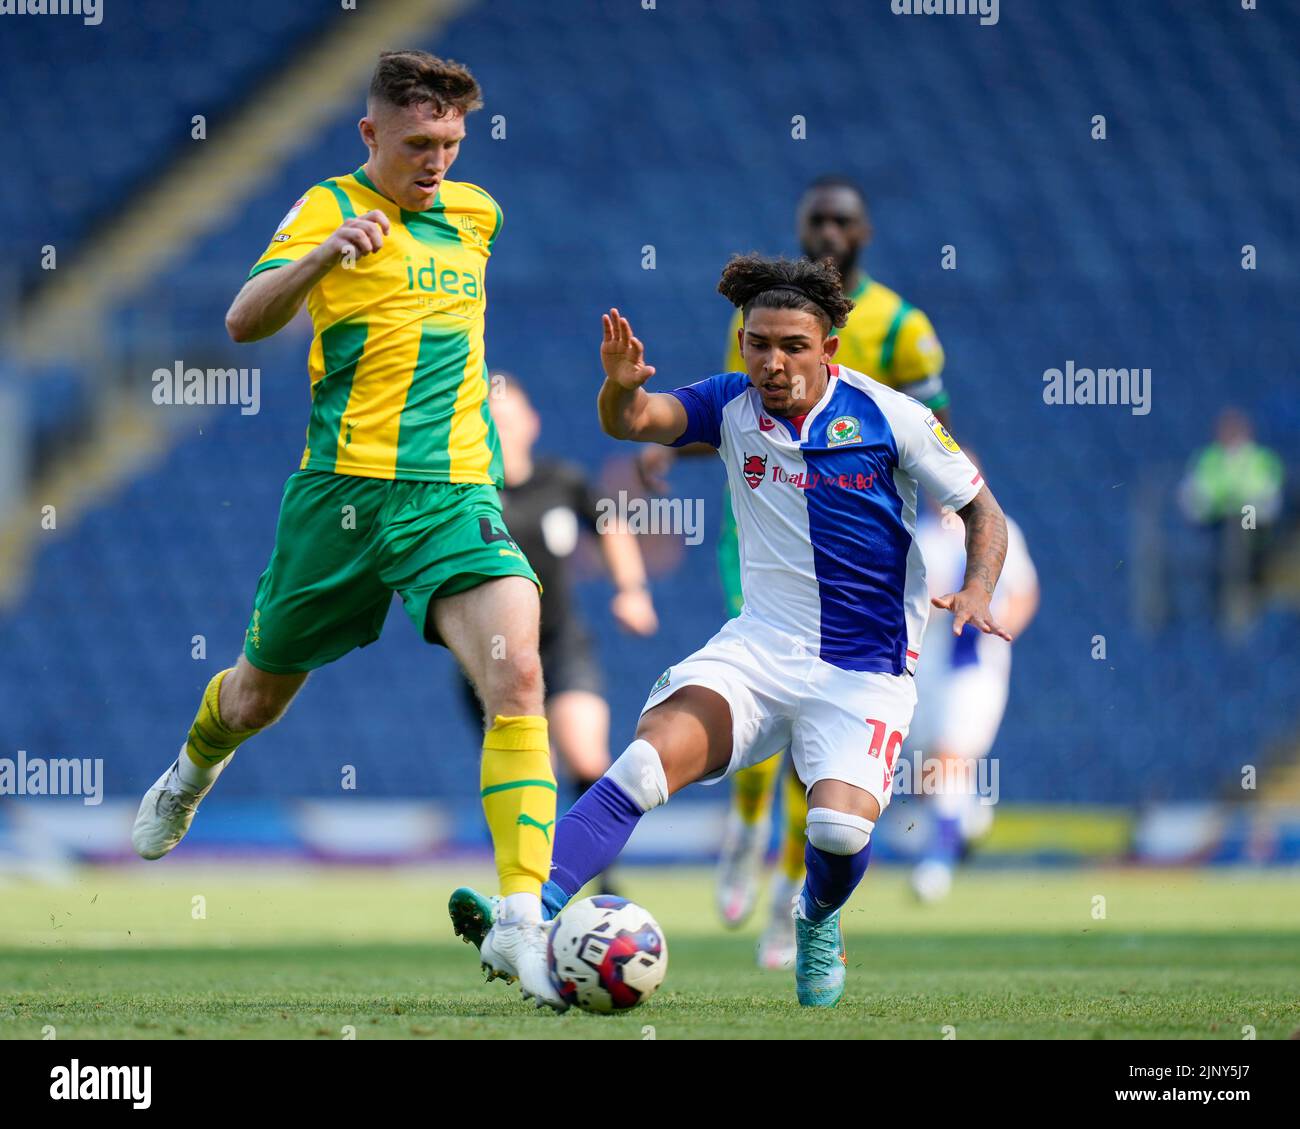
(170, 950)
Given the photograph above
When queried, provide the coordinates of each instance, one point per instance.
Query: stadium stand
(125, 110)
(1117, 252)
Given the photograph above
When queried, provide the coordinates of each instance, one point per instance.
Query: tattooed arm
(986, 549)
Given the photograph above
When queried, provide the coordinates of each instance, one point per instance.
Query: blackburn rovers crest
(842, 431)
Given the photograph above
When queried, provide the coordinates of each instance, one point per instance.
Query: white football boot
(739, 864)
(517, 950)
(166, 813)
(776, 945)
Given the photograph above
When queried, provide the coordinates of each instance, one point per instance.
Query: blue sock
(587, 840)
(947, 840)
(831, 880)
(554, 899)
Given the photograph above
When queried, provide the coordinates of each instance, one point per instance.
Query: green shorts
(345, 544)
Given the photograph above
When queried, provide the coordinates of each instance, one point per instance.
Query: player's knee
(837, 832)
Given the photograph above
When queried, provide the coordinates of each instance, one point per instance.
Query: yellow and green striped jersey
(398, 378)
(886, 338)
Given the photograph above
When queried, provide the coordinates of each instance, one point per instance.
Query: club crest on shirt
(941, 434)
(661, 681)
(754, 468)
(842, 431)
(470, 228)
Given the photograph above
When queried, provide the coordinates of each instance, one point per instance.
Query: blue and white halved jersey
(827, 516)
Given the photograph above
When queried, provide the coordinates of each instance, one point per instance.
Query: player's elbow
(244, 326)
(237, 325)
(614, 425)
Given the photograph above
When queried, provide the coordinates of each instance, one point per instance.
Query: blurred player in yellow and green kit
(892, 341)
(397, 490)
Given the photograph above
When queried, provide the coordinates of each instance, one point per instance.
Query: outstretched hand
(971, 605)
(621, 353)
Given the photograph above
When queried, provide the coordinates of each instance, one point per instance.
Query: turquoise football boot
(471, 918)
(820, 965)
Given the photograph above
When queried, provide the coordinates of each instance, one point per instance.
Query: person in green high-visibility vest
(1234, 487)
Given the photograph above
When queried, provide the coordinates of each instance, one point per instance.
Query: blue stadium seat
(1117, 252)
(126, 89)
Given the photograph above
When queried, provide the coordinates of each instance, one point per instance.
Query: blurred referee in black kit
(546, 504)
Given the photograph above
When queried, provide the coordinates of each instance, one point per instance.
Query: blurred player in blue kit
(962, 688)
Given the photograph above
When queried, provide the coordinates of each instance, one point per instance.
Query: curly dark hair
(409, 78)
(750, 281)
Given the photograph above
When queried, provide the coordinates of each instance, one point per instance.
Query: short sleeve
(930, 455)
(917, 352)
(733, 361)
(313, 218)
(704, 401)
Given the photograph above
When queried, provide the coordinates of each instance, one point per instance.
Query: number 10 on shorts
(878, 731)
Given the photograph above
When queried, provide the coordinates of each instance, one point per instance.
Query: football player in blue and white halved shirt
(823, 465)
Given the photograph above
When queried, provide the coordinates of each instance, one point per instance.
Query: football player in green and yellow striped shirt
(892, 341)
(397, 487)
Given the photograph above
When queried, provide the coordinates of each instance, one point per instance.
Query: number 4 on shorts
(490, 533)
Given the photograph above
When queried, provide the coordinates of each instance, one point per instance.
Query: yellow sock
(210, 743)
(518, 790)
(753, 789)
(796, 820)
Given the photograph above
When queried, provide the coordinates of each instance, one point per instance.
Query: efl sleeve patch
(928, 453)
(289, 217)
(313, 218)
(941, 433)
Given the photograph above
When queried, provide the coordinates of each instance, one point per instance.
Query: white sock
(640, 773)
(520, 908)
(838, 832)
(196, 777)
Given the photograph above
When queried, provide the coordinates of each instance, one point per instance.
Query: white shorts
(962, 712)
(838, 724)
